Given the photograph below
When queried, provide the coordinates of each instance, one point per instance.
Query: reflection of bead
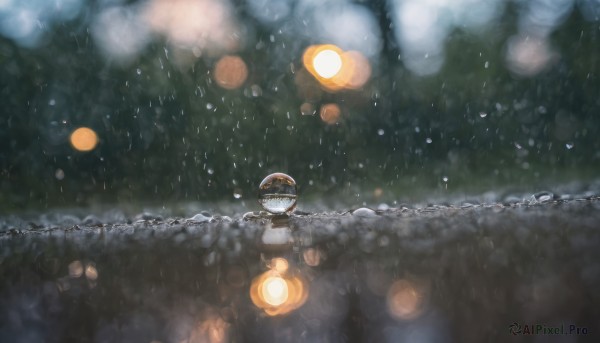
(277, 193)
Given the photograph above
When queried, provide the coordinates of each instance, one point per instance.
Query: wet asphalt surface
(521, 271)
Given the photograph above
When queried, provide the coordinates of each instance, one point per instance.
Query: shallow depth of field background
(164, 101)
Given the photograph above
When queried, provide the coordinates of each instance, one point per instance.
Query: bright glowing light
(327, 63)
(275, 291)
(84, 139)
(230, 72)
(279, 293)
(336, 69)
(330, 113)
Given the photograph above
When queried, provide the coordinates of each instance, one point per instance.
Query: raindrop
(209, 106)
(428, 140)
(482, 114)
(541, 197)
(200, 218)
(138, 71)
(277, 193)
(256, 90)
(210, 171)
(445, 179)
(52, 102)
(570, 145)
(380, 132)
(237, 194)
(364, 212)
(486, 65)
(59, 174)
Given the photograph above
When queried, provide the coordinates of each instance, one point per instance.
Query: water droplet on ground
(277, 193)
(200, 218)
(541, 197)
(91, 220)
(364, 212)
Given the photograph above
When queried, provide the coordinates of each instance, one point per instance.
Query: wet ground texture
(514, 271)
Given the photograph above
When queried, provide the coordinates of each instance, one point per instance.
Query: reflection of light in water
(75, 269)
(196, 24)
(327, 63)
(528, 55)
(279, 264)
(84, 139)
(278, 293)
(330, 113)
(336, 69)
(275, 290)
(312, 257)
(91, 273)
(230, 72)
(405, 300)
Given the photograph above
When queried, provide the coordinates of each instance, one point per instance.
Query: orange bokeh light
(330, 113)
(278, 293)
(230, 72)
(336, 69)
(84, 139)
(279, 264)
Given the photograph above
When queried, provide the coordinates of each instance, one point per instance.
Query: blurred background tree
(460, 95)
